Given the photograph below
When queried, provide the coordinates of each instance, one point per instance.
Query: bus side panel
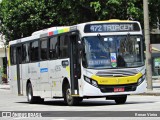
(25, 77)
(80, 82)
(44, 80)
(53, 80)
(57, 74)
(56, 77)
(13, 79)
(34, 69)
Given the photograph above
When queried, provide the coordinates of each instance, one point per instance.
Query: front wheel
(121, 99)
(69, 99)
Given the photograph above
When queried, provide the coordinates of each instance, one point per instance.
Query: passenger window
(44, 53)
(16, 55)
(64, 46)
(34, 51)
(13, 55)
(53, 46)
(19, 54)
(25, 53)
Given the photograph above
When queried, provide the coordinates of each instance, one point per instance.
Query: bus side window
(19, 54)
(13, 55)
(53, 53)
(34, 53)
(64, 39)
(43, 49)
(25, 53)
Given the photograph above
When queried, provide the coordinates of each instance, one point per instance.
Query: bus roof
(62, 29)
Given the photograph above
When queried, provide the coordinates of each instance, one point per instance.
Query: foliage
(20, 18)
(154, 6)
(117, 9)
(3, 75)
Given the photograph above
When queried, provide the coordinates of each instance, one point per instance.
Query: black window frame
(23, 62)
(12, 59)
(13, 54)
(19, 57)
(38, 52)
(60, 56)
(56, 48)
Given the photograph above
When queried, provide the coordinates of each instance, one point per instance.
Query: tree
(117, 9)
(154, 6)
(20, 18)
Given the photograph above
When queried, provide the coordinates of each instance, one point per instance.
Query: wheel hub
(69, 97)
(29, 95)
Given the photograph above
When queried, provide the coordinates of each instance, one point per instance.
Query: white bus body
(41, 68)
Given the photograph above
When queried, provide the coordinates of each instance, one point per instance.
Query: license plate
(119, 89)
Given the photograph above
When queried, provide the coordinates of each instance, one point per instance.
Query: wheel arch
(64, 83)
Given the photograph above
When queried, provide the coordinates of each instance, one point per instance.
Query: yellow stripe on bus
(66, 29)
(116, 80)
(68, 70)
(15, 77)
(113, 20)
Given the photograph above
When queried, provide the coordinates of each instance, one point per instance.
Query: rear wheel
(31, 99)
(69, 99)
(40, 100)
(80, 99)
(121, 99)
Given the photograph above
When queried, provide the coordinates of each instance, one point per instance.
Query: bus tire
(68, 99)
(31, 99)
(80, 99)
(121, 99)
(39, 100)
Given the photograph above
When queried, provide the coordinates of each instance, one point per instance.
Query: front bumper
(89, 90)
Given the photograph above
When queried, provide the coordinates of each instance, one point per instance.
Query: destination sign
(111, 27)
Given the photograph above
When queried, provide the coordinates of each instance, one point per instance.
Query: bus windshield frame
(113, 51)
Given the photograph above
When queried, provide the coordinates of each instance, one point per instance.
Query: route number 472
(96, 28)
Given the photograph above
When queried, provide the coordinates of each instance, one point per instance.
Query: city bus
(88, 60)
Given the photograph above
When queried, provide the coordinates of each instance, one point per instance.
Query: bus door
(54, 66)
(34, 67)
(61, 63)
(18, 64)
(44, 81)
(75, 69)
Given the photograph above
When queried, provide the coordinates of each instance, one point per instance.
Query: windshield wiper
(99, 36)
(128, 37)
(102, 42)
(126, 40)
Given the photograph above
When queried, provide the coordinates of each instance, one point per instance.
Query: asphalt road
(136, 105)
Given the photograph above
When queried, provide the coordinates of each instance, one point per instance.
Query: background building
(155, 43)
(3, 60)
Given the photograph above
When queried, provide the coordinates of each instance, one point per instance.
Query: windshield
(113, 51)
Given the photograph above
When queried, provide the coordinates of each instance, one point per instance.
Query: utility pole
(148, 46)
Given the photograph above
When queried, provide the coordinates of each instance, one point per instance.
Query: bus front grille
(110, 88)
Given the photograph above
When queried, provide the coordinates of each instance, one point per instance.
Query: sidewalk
(155, 91)
(5, 86)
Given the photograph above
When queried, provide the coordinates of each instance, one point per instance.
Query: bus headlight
(91, 81)
(141, 79)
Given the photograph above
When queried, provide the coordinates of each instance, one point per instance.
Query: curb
(151, 93)
(5, 88)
